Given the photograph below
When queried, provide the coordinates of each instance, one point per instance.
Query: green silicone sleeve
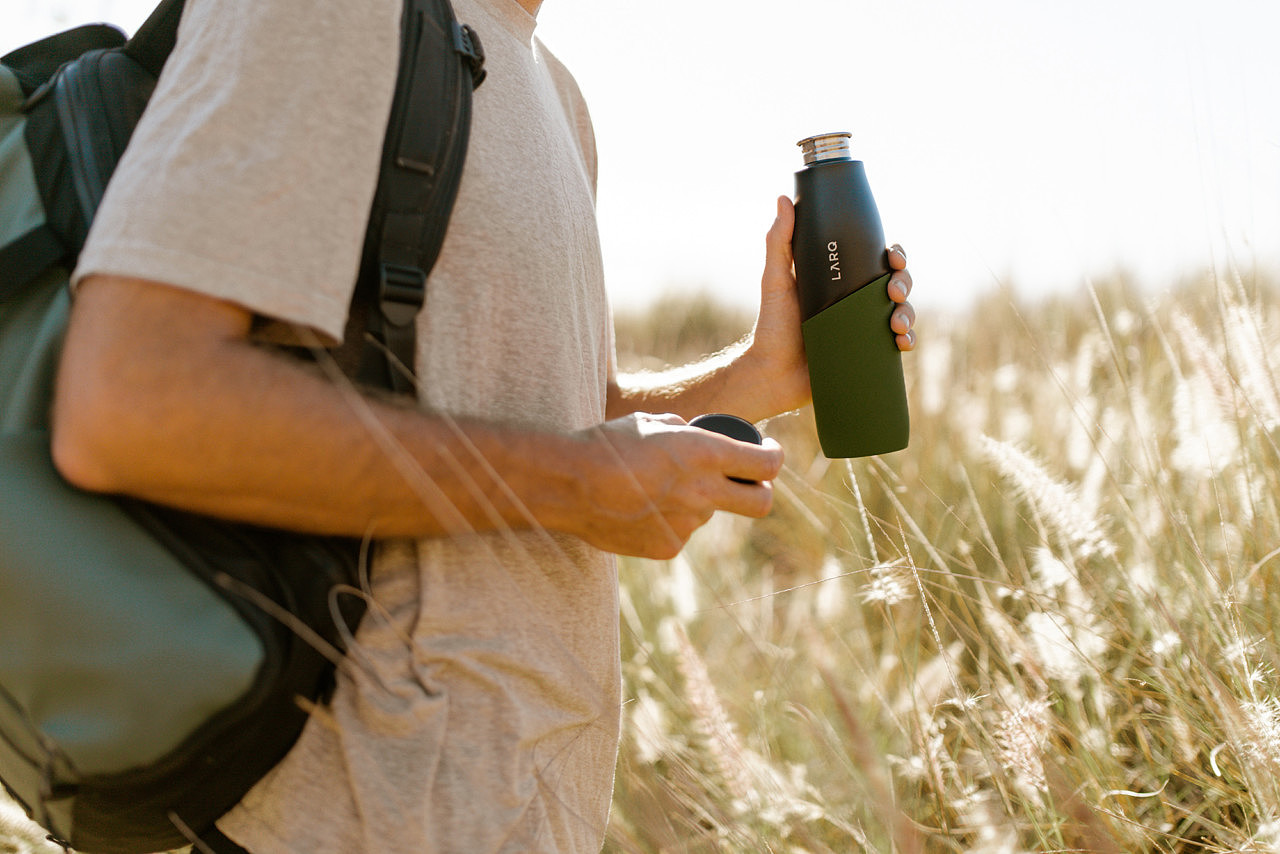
(855, 370)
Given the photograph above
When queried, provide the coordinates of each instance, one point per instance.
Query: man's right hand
(647, 482)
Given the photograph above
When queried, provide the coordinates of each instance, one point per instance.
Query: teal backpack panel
(113, 650)
(20, 206)
(119, 653)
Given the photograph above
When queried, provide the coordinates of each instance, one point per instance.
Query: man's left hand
(776, 348)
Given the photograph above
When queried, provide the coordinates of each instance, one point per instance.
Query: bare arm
(162, 396)
(766, 374)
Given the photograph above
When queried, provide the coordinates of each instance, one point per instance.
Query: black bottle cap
(728, 425)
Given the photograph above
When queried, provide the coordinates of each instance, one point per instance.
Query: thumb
(778, 258)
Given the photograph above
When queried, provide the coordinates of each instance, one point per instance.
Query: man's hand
(649, 481)
(766, 374)
(776, 351)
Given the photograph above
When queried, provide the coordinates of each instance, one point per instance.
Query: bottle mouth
(826, 146)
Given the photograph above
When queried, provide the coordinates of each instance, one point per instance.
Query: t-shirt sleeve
(576, 112)
(251, 174)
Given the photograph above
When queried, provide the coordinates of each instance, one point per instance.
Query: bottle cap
(826, 146)
(728, 425)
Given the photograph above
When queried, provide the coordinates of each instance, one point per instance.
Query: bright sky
(1011, 141)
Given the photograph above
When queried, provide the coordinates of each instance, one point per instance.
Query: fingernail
(897, 291)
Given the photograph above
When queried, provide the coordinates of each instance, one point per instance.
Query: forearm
(332, 461)
(161, 396)
(214, 424)
(759, 377)
(739, 380)
(687, 391)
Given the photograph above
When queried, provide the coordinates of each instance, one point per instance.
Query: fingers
(752, 500)
(900, 287)
(704, 486)
(897, 257)
(904, 316)
(903, 319)
(745, 488)
(900, 283)
(761, 462)
(901, 322)
(653, 481)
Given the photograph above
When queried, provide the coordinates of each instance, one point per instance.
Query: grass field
(1047, 626)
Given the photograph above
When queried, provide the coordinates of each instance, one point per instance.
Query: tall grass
(1047, 626)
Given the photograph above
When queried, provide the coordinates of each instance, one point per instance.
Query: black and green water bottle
(842, 273)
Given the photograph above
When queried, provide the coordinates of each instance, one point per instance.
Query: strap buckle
(401, 293)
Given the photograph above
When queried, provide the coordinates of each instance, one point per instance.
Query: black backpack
(154, 664)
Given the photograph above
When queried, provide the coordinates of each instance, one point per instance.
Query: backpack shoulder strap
(151, 45)
(424, 149)
(441, 64)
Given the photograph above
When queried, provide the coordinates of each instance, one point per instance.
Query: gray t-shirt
(479, 710)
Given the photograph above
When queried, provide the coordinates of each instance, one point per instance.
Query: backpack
(154, 664)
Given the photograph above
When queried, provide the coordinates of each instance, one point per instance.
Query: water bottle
(842, 272)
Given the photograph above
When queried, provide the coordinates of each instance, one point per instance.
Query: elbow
(79, 445)
(131, 353)
(94, 426)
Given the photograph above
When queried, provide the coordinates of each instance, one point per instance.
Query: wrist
(770, 379)
(553, 490)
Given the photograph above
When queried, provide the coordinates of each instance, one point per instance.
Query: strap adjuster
(467, 43)
(401, 293)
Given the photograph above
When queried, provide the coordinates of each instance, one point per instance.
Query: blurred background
(1025, 145)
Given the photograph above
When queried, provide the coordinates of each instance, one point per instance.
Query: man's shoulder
(573, 103)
